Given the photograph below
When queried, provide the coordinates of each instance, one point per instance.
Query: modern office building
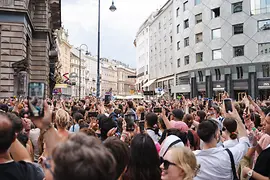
(217, 46)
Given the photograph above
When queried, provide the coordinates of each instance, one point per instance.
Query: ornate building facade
(28, 48)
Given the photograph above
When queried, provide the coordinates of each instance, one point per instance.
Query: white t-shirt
(215, 162)
(153, 135)
(230, 143)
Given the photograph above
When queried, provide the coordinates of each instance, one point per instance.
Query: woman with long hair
(144, 161)
(179, 164)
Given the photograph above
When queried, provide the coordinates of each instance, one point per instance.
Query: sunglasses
(166, 163)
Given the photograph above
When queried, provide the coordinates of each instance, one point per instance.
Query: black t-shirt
(20, 171)
(262, 165)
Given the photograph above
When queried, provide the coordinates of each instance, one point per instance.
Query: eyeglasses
(166, 163)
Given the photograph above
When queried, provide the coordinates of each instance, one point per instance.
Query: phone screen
(107, 98)
(228, 105)
(157, 110)
(210, 103)
(130, 119)
(36, 96)
(142, 116)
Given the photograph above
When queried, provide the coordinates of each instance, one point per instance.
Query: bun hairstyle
(231, 126)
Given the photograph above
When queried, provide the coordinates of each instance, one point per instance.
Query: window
(178, 62)
(216, 33)
(198, 18)
(199, 57)
(186, 42)
(178, 45)
(238, 51)
(185, 6)
(215, 13)
(159, 25)
(218, 75)
(200, 76)
(199, 37)
(266, 70)
(237, 7)
(177, 12)
(264, 25)
(197, 2)
(186, 60)
(171, 39)
(238, 29)
(239, 72)
(186, 23)
(216, 54)
(177, 28)
(263, 48)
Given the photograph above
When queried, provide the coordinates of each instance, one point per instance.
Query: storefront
(240, 88)
(201, 90)
(264, 89)
(218, 90)
(183, 89)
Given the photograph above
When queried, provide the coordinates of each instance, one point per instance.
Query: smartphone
(142, 116)
(92, 114)
(36, 96)
(130, 119)
(228, 105)
(141, 125)
(107, 98)
(210, 103)
(157, 110)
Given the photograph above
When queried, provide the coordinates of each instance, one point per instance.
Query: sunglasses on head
(166, 163)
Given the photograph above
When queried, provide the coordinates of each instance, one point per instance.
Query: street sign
(149, 93)
(132, 76)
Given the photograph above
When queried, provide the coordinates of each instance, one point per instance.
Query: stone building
(28, 48)
(125, 82)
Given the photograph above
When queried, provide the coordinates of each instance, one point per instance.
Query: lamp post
(80, 66)
(112, 8)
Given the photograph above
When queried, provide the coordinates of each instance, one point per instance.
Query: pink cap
(180, 125)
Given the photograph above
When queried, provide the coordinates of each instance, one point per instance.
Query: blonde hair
(185, 159)
(62, 118)
(140, 109)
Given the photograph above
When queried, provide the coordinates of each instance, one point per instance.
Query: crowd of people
(135, 140)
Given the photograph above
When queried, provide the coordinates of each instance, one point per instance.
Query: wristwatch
(250, 173)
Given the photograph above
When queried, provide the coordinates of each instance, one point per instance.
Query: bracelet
(49, 127)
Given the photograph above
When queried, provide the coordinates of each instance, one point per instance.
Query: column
(194, 88)
(208, 84)
(228, 82)
(252, 82)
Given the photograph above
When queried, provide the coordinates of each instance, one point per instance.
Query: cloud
(118, 29)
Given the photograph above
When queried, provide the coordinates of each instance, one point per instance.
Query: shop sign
(266, 84)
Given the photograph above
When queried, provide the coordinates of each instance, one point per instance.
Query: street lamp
(112, 8)
(80, 66)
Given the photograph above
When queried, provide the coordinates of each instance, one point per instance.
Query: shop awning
(149, 83)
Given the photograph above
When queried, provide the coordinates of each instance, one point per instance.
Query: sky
(118, 29)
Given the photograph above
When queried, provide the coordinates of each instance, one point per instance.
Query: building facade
(64, 51)
(28, 49)
(219, 46)
(108, 77)
(78, 68)
(90, 75)
(125, 80)
(143, 53)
